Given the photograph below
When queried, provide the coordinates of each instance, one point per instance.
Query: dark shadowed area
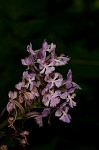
(73, 25)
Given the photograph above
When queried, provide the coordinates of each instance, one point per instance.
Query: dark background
(74, 27)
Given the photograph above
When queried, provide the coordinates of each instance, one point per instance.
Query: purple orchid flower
(30, 77)
(69, 83)
(52, 98)
(55, 80)
(48, 48)
(28, 61)
(29, 96)
(19, 85)
(61, 60)
(45, 67)
(43, 114)
(62, 113)
(11, 103)
(12, 95)
(30, 50)
(68, 95)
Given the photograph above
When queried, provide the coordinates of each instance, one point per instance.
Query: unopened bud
(3, 147)
(23, 142)
(24, 133)
(10, 120)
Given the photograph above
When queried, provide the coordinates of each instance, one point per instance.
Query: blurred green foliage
(73, 25)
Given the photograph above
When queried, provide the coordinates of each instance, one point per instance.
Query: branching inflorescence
(42, 90)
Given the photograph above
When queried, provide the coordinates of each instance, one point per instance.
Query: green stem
(3, 124)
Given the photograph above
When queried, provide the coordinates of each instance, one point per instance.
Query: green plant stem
(3, 124)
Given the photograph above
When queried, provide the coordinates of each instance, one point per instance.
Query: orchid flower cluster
(43, 90)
